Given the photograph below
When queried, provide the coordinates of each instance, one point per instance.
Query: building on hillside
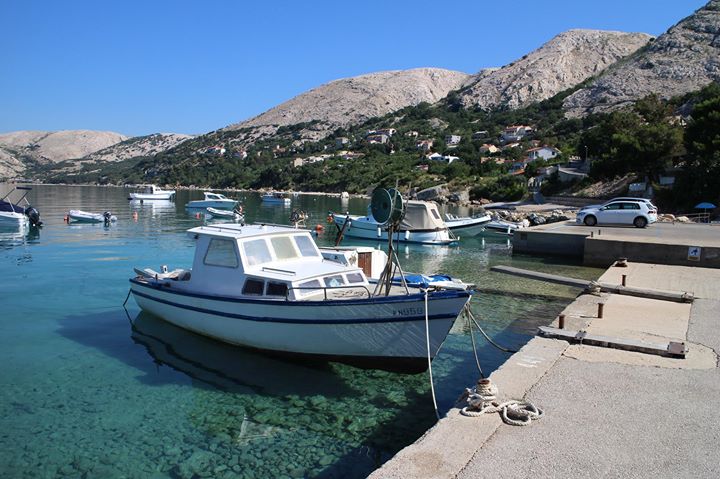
(241, 154)
(350, 155)
(341, 141)
(488, 148)
(515, 133)
(424, 145)
(386, 131)
(542, 153)
(412, 134)
(452, 140)
(480, 135)
(510, 146)
(379, 138)
(215, 150)
(438, 157)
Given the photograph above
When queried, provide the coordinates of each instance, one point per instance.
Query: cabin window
(253, 287)
(435, 213)
(354, 278)
(310, 285)
(306, 246)
(256, 252)
(221, 252)
(276, 289)
(334, 281)
(283, 246)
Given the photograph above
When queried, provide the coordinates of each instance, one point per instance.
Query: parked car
(637, 213)
(620, 198)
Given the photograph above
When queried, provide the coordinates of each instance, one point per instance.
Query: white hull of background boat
(147, 196)
(11, 219)
(224, 214)
(464, 227)
(87, 217)
(362, 227)
(384, 328)
(218, 204)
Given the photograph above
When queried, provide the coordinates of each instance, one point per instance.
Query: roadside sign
(694, 253)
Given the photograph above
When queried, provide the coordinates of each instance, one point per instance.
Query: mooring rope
(429, 359)
(490, 340)
(474, 346)
(482, 400)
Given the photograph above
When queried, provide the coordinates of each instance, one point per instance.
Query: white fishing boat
(421, 224)
(12, 214)
(231, 215)
(213, 200)
(152, 192)
(269, 288)
(464, 226)
(275, 198)
(88, 217)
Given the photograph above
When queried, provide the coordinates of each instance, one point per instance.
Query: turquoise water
(83, 393)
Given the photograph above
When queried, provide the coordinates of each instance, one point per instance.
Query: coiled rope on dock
(482, 399)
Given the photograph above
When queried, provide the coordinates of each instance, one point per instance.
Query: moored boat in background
(467, 225)
(88, 217)
(275, 198)
(213, 200)
(152, 192)
(12, 214)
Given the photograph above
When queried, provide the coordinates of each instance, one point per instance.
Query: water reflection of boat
(228, 367)
(156, 205)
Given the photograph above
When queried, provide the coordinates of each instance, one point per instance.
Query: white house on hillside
(542, 153)
(452, 140)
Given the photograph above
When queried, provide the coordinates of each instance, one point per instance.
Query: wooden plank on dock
(675, 296)
(671, 349)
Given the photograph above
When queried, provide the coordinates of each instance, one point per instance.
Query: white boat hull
(468, 226)
(10, 219)
(362, 227)
(379, 328)
(277, 201)
(157, 196)
(87, 217)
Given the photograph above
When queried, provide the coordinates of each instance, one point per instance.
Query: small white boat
(464, 226)
(232, 215)
(503, 227)
(213, 200)
(344, 195)
(87, 217)
(275, 198)
(269, 288)
(14, 215)
(152, 192)
(421, 224)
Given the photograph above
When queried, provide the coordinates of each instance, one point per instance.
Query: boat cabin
(419, 216)
(209, 196)
(268, 262)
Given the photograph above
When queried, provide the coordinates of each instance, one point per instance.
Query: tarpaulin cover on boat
(420, 215)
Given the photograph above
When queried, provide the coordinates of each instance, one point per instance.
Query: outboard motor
(33, 215)
(107, 216)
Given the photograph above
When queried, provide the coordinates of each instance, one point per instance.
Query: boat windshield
(279, 248)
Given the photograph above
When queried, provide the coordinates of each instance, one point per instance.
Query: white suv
(639, 213)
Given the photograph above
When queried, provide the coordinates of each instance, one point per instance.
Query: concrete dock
(608, 412)
(689, 244)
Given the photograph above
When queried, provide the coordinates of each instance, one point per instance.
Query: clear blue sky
(139, 67)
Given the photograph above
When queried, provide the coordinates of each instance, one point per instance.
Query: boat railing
(326, 288)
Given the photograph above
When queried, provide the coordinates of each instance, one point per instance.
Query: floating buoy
(135, 215)
(319, 227)
(197, 215)
(330, 219)
(66, 219)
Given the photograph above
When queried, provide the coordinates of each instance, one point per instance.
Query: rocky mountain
(353, 100)
(684, 59)
(53, 146)
(137, 146)
(563, 62)
(20, 150)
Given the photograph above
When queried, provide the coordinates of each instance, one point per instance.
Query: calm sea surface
(84, 393)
